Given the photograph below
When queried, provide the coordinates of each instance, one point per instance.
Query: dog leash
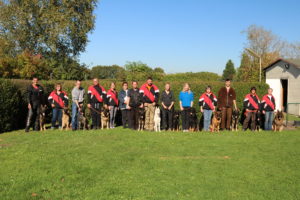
(95, 110)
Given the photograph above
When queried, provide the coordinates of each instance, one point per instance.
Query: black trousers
(185, 117)
(33, 117)
(125, 117)
(96, 116)
(133, 118)
(167, 118)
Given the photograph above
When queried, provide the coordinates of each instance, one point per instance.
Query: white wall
(275, 84)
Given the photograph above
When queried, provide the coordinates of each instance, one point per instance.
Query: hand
(170, 108)
(247, 110)
(141, 106)
(145, 104)
(181, 108)
(154, 103)
(29, 106)
(89, 105)
(165, 107)
(105, 106)
(214, 110)
(52, 105)
(128, 107)
(201, 109)
(264, 112)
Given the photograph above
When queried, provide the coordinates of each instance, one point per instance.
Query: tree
(229, 71)
(108, 72)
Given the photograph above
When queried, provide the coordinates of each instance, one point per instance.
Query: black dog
(235, 120)
(259, 121)
(193, 126)
(141, 119)
(175, 120)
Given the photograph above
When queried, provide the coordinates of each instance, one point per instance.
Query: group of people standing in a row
(129, 101)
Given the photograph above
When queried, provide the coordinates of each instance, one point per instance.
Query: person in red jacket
(252, 106)
(268, 106)
(96, 99)
(58, 99)
(150, 93)
(207, 103)
(113, 102)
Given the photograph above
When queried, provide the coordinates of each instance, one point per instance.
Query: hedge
(13, 94)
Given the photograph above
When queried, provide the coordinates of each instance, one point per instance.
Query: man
(150, 95)
(134, 103)
(77, 103)
(226, 100)
(123, 102)
(35, 98)
(96, 99)
(268, 106)
(251, 105)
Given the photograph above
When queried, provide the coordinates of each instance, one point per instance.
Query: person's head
(186, 87)
(208, 89)
(78, 83)
(270, 91)
(167, 87)
(134, 84)
(95, 81)
(149, 81)
(35, 80)
(112, 85)
(253, 90)
(58, 87)
(125, 85)
(227, 82)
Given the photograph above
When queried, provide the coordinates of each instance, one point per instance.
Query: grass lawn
(122, 164)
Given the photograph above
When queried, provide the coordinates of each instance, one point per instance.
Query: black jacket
(167, 99)
(136, 98)
(35, 95)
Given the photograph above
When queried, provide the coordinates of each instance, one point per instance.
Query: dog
(216, 121)
(65, 119)
(235, 120)
(193, 126)
(175, 120)
(104, 118)
(157, 119)
(141, 119)
(82, 121)
(278, 121)
(43, 117)
(259, 121)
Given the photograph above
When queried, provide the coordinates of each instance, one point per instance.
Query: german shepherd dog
(82, 121)
(278, 121)
(175, 120)
(43, 117)
(193, 126)
(216, 121)
(235, 120)
(141, 119)
(65, 119)
(259, 121)
(104, 118)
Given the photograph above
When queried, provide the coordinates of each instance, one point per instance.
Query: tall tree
(229, 71)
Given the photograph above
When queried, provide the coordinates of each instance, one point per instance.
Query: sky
(184, 35)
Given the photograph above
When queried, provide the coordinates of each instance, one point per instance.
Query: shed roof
(295, 62)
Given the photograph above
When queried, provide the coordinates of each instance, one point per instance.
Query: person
(123, 102)
(167, 101)
(268, 106)
(134, 103)
(113, 102)
(97, 98)
(150, 93)
(35, 98)
(58, 100)
(207, 103)
(186, 102)
(226, 101)
(77, 103)
(251, 106)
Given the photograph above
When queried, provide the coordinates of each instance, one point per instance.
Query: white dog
(157, 119)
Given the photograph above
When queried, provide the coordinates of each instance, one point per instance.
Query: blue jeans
(74, 116)
(207, 118)
(56, 116)
(269, 116)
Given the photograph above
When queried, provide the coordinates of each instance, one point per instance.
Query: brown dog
(65, 119)
(104, 118)
(43, 117)
(278, 121)
(216, 121)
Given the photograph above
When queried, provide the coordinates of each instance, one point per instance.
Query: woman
(167, 102)
(207, 103)
(58, 100)
(113, 102)
(186, 101)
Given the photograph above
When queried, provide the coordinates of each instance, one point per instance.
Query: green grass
(293, 117)
(122, 164)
